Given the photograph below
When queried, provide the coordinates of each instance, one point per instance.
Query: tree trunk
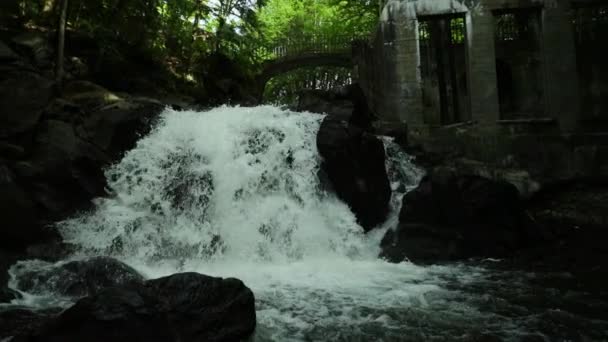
(61, 43)
(195, 29)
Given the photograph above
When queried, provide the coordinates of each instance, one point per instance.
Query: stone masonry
(525, 121)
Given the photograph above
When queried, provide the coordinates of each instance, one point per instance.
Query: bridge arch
(277, 67)
(291, 54)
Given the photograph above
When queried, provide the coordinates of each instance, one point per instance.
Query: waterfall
(234, 192)
(232, 183)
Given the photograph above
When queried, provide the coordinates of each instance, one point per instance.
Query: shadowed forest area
(209, 51)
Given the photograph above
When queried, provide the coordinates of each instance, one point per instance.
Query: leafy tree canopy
(184, 34)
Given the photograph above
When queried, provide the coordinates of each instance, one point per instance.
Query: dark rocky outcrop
(452, 217)
(348, 103)
(182, 307)
(354, 167)
(77, 278)
(335, 103)
(21, 321)
(24, 96)
(53, 150)
(204, 308)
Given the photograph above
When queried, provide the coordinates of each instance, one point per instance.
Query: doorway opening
(443, 68)
(591, 29)
(518, 63)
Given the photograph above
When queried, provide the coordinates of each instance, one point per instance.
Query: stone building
(518, 85)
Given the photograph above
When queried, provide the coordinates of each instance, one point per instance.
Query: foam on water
(234, 192)
(232, 183)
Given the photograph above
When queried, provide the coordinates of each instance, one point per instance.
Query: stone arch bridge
(290, 54)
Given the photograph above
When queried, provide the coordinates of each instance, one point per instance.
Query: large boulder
(205, 308)
(328, 102)
(354, 167)
(18, 212)
(61, 168)
(20, 321)
(64, 171)
(116, 127)
(348, 103)
(182, 307)
(37, 46)
(23, 96)
(452, 217)
(6, 53)
(77, 278)
(87, 95)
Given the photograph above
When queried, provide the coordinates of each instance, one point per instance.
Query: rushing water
(234, 192)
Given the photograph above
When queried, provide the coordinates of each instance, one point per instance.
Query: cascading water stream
(234, 192)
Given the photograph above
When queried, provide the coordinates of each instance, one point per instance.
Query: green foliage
(185, 35)
(307, 18)
(293, 24)
(284, 89)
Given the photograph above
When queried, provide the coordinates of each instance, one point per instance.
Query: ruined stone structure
(518, 85)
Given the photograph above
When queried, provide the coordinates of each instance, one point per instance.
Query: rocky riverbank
(114, 302)
(455, 214)
(54, 145)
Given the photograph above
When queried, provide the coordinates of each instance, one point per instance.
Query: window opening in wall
(443, 68)
(591, 32)
(519, 63)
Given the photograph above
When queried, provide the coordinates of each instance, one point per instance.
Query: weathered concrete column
(408, 72)
(482, 66)
(559, 57)
(396, 65)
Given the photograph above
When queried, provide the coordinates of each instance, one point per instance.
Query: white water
(234, 192)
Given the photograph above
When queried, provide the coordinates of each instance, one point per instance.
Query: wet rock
(11, 151)
(327, 102)
(23, 96)
(353, 165)
(206, 308)
(63, 110)
(115, 128)
(452, 217)
(6, 53)
(18, 212)
(362, 115)
(348, 103)
(53, 250)
(89, 96)
(75, 278)
(7, 258)
(20, 321)
(64, 172)
(182, 307)
(7, 294)
(37, 46)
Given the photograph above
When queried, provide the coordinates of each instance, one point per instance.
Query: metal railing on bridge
(294, 47)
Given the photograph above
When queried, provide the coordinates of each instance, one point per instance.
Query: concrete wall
(552, 145)
(394, 59)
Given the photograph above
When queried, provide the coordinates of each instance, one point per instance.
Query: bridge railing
(291, 47)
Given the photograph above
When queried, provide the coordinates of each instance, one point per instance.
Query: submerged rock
(21, 321)
(354, 166)
(451, 217)
(75, 278)
(182, 307)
